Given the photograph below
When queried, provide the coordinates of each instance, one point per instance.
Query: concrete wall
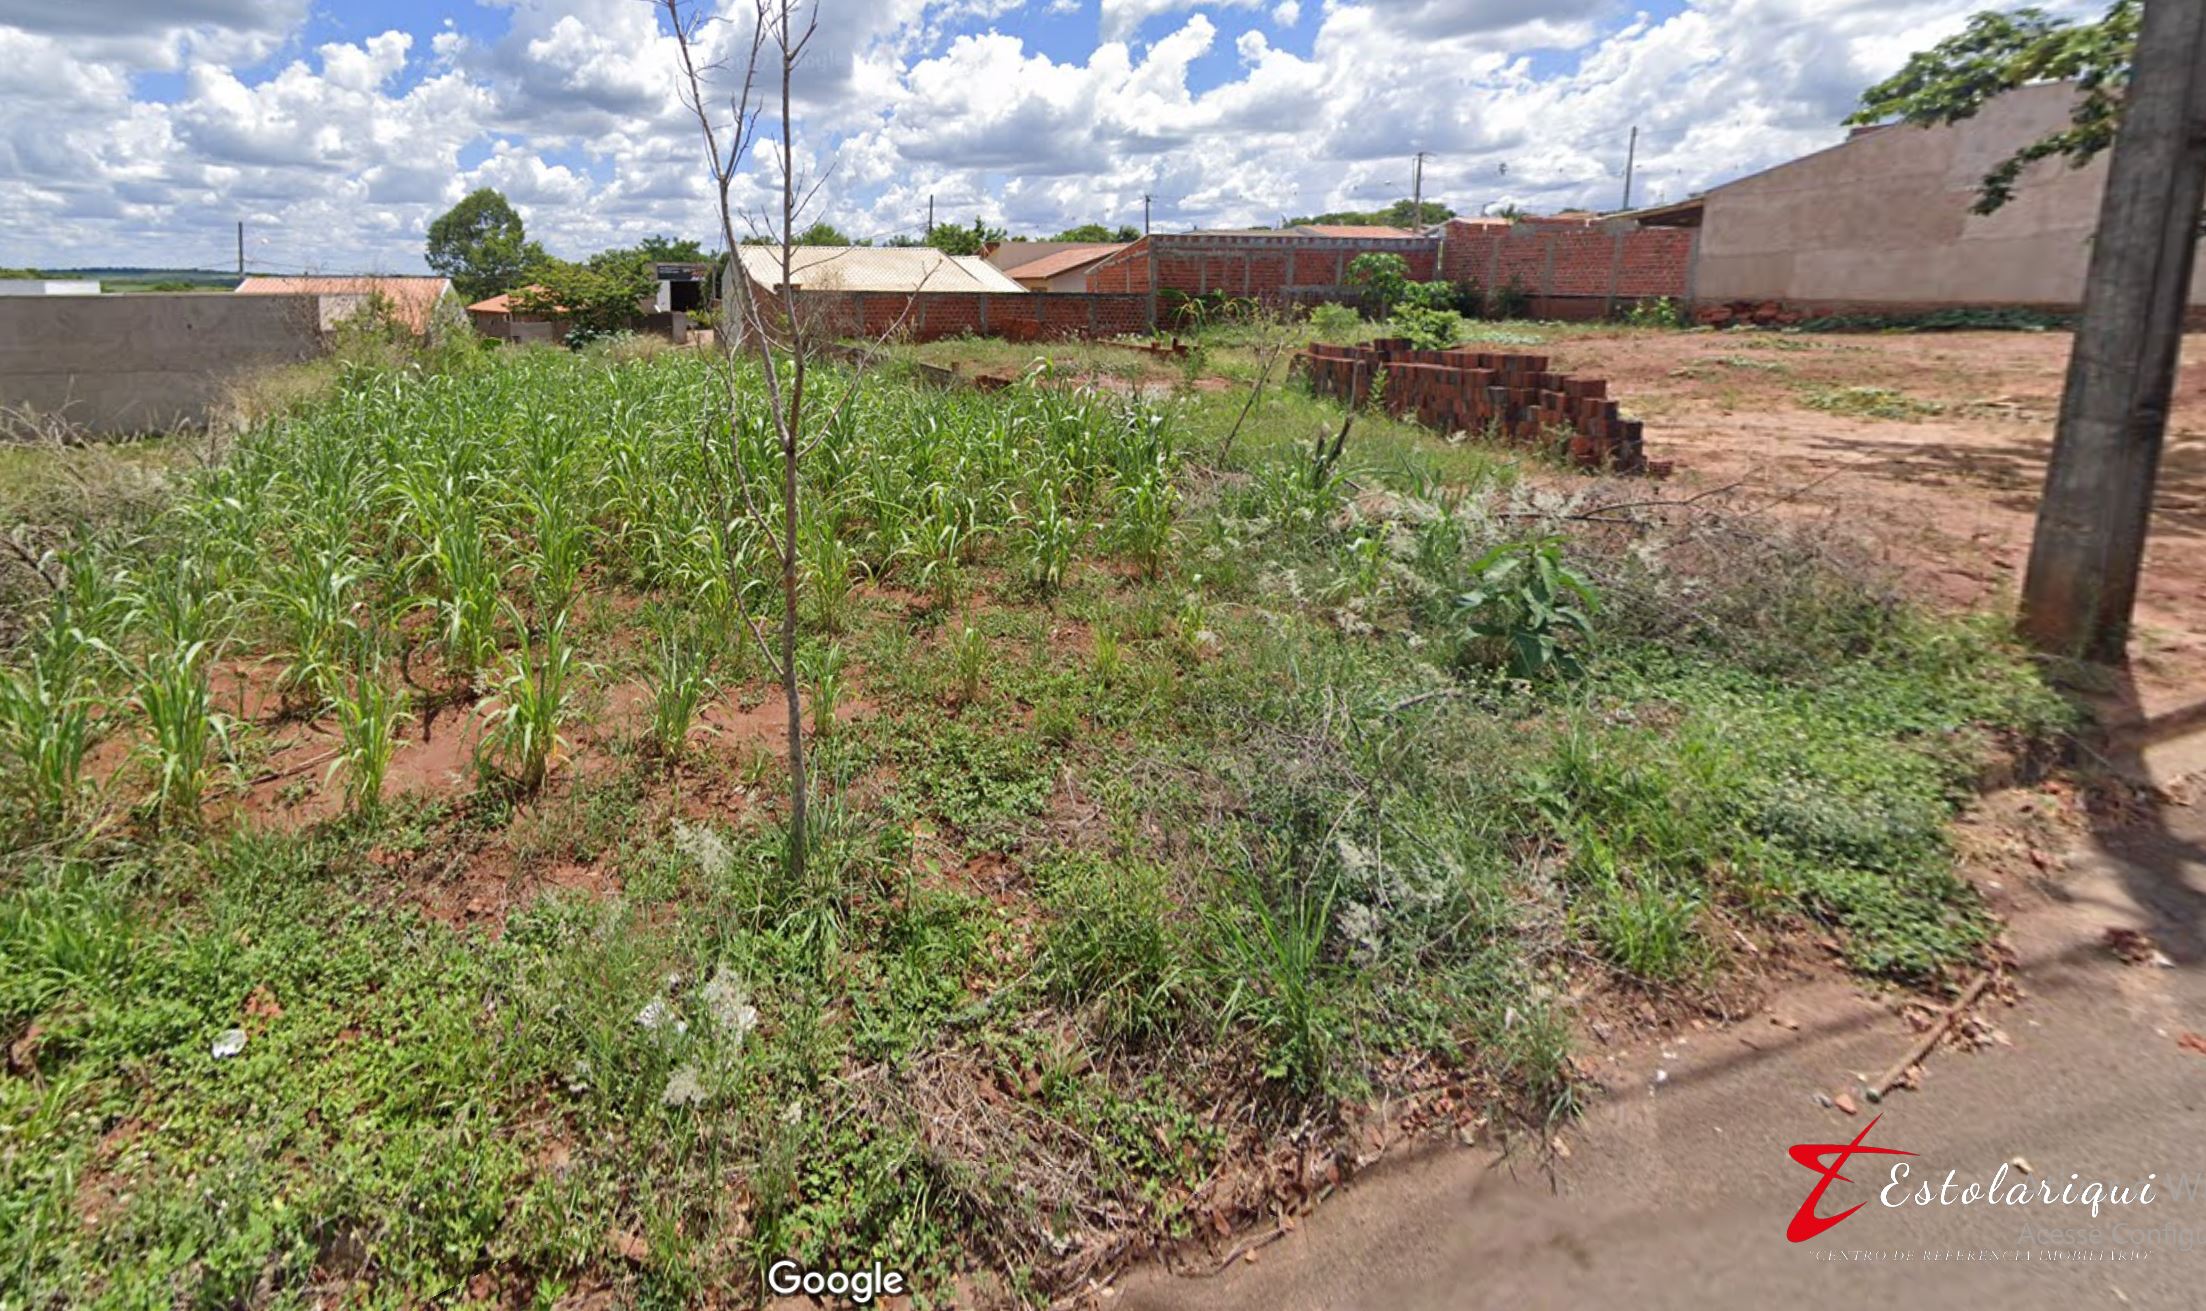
(148, 361)
(1883, 220)
(48, 287)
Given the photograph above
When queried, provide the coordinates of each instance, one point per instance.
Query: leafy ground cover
(396, 906)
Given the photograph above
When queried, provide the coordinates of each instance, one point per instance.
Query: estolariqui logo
(2075, 1211)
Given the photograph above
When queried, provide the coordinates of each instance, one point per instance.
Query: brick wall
(1014, 316)
(1592, 261)
(1273, 267)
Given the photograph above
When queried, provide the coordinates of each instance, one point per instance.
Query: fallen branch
(1930, 1039)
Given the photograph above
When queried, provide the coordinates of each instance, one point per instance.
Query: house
(413, 300)
(1052, 265)
(894, 269)
(1883, 222)
(495, 317)
(1351, 230)
(48, 287)
(682, 287)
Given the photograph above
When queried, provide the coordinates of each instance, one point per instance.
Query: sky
(140, 132)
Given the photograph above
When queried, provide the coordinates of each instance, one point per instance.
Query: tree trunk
(2090, 542)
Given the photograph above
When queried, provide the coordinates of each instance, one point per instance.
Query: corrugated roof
(903, 269)
(1065, 261)
(412, 299)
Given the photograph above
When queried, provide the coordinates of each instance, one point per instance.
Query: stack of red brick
(1477, 391)
(1762, 314)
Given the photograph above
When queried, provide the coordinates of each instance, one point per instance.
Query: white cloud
(1122, 18)
(339, 154)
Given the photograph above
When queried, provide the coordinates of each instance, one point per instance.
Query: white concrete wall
(1885, 219)
(146, 361)
(48, 287)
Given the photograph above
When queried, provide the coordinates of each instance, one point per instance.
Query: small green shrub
(1337, 324)
(1660, 312)
(1428, 329)
(1528, 610)
(1111, 942)
(1385, 276)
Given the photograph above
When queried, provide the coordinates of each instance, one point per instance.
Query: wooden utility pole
(1631, 160)
(1417, 189)
(2090, 543)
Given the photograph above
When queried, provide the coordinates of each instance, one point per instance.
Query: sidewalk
(1679, 1194)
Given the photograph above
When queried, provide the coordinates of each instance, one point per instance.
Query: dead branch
(1930, 1039)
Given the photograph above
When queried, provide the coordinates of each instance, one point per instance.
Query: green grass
(1870, 403)
(1176, 799)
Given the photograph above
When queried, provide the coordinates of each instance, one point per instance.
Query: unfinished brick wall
(1013, 316)
(1273, 267)
(1571, 268)
(1514, 395)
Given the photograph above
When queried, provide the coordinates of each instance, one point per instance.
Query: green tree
(1385, 276)
(1998, 52)
(1403, 213)
(1096, 232)
(668, 250)
(823, 233)
(952, 240)
(600, 297)
(481, 245)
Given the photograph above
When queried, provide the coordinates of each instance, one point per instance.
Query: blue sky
(141, 131)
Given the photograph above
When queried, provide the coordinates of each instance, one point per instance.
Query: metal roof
(902, 269)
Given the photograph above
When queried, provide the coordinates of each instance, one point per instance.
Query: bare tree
(778, 37)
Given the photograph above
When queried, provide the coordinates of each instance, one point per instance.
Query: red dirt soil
(1950, 498)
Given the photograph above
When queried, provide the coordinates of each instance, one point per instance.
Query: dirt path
(1678, 1193)
(1949, 494)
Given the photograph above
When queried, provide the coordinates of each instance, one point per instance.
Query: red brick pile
(1475, 391)
(1762, 314)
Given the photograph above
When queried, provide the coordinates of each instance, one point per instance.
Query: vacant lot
(397, 905)
(1931, 445)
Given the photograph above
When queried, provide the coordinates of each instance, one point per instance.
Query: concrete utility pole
(1145, 213)
(1631, 158)
(930, 215)
(241, 248)
(1417, 188)
(2090, 542)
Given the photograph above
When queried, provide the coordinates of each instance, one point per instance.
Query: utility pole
(2090, 542)
(1145, 198)
(1417, 188)
(1631, 158)
(241, 248)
